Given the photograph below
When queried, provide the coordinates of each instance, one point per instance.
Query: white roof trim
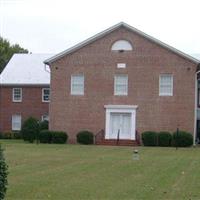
(103, 33)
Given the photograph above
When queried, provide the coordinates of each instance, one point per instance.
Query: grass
(100, 172)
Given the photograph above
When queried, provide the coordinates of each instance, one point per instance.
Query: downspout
(195, 108)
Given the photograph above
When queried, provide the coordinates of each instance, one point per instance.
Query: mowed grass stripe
(49, 171)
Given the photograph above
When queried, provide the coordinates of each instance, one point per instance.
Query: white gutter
(195, 109)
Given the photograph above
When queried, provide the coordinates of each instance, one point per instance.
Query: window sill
(165, 95)
(120, 94)
(77, 94)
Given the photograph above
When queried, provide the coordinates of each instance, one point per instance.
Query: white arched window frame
(122, 45)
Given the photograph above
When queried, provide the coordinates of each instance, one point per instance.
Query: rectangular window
(166, 85)
(121, 85)
(77, 84)
(45, 117)
(16, 122)
(17, 94)
(45, 94)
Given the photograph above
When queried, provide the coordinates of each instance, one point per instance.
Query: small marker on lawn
(136, 154)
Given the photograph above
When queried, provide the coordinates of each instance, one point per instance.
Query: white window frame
(45, 116)
(18, 128)
(13, 95)
(130, 109)
(83, 84)
(115, 85)
(122, 45)
(172, 85)
(43, 100)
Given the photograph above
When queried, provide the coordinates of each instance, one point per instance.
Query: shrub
(3, 175)
(164, 139)
(17, 135)
(44, 125)
(45, 136)
(11, 135)
(8, 135)
(182, 139)
(30, 129)
(85, 137)
(149, 138)
(59, 137)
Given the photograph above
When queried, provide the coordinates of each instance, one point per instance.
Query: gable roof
(111, 29)
(26, 69)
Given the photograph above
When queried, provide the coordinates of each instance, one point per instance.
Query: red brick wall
(144, 65)
(31, 105)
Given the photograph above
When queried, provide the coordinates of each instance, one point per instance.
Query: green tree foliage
(44, 125)
(7, 50)
(3, 175)
(30, 129)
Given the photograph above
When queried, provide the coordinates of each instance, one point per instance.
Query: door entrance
(120, 119)
(120, 124)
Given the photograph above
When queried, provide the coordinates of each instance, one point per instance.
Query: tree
(3, 175)
(7, 50)
(30, 129)
(44, 125)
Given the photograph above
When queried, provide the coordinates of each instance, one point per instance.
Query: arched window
(122, 45)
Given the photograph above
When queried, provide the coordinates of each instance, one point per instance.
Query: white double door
(120, 125)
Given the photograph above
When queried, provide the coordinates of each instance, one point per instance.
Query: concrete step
(113, 142)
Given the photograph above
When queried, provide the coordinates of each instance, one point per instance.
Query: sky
(51, 26)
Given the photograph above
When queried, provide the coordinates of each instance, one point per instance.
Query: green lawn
(100, 172)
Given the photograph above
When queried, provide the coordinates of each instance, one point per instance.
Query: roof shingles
(26, 69)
